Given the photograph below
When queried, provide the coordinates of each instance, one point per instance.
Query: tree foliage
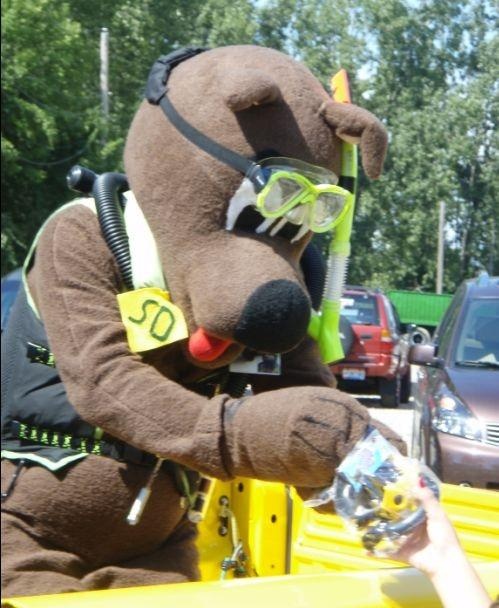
(427, 69)
(45, 119)
(433, 84)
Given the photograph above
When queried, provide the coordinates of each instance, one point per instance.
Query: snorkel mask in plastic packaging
(373, 493)
(284, 190)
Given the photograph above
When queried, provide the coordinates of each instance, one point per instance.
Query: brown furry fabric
(67, 531)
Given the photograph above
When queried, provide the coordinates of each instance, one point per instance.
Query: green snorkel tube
(324, 325)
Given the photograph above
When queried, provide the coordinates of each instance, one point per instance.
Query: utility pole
(104, 79)
(440, 250)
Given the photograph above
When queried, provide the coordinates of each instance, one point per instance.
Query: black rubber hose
(81, 179)
(375, 533)
(106, 191)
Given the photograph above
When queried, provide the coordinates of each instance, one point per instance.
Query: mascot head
(234, 160)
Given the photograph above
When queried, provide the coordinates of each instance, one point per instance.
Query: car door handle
(366, 336)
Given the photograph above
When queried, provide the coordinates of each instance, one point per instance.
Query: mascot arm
(296, 435)
(74, 282)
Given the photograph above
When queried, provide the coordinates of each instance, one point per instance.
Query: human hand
(433, 548)
(433, 541)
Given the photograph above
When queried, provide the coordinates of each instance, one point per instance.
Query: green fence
(420, 308)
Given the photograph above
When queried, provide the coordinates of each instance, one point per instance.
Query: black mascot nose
(275, 318)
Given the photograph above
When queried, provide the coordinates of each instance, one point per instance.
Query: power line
(61, 161)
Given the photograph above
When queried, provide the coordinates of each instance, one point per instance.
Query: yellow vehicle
(259, 546)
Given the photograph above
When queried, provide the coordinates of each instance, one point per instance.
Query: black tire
(389, 392)
(347, 335)
(420, 336)
(405, 387)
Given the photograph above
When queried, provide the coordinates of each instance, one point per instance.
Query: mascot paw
(296, 435)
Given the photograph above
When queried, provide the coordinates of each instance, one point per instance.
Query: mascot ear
(358, 126)
(242, 89)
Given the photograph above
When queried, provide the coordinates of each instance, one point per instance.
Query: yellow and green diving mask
(301, 194)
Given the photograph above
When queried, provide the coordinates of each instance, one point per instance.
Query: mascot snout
(275, 317)
(274, 320)
(256, 299)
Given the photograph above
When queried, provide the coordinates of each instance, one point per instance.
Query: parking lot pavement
(399, 419)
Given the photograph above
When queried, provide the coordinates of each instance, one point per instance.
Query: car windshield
(360, 309)
(478, 342)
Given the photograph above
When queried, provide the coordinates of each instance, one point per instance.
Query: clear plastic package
(373, 492)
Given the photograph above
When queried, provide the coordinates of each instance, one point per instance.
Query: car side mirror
(424, 354)
(419, 335)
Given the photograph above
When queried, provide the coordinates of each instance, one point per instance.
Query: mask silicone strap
(221, 153)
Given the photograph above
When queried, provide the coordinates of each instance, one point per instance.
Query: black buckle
(133, 455)
(37, 353)
(160, 71)
(13, 480)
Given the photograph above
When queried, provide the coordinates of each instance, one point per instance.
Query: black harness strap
(221, 153)
(156, 85)
(30, 434)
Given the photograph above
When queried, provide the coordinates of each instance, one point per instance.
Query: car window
(478, 338)
(360, 309)
(443, 332)
(398, 322)
(445, 337)
(390, 314)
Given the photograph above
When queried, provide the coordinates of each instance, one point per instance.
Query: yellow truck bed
(296, 557)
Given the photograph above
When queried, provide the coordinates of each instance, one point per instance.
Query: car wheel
(389, 392)
(347, 335)
(405, 387)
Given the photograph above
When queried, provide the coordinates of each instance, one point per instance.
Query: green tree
(426, 69)
(51, 102)
(432, 82)
(46, 122)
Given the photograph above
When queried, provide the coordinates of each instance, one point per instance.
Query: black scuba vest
(39, 424)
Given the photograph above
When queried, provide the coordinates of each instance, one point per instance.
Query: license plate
(353, 374)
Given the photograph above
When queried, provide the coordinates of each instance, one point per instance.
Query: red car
(377, 358)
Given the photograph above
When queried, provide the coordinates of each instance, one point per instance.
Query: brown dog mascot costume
(65, 525)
